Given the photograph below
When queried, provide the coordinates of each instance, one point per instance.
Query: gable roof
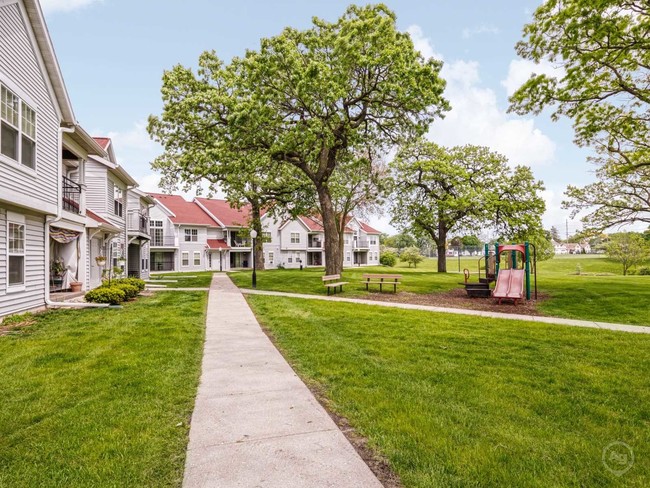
(184, 212)
(312, 224)
(367, 229)
(102, 141)
(217, 244)
(224, 213)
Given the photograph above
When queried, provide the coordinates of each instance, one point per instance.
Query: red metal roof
(102, 141)
(227, 215)
(367, 229)
(218, 244)
(96, 217)
(184, 212)
(312, 224)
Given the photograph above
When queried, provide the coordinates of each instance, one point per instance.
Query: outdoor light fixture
(254, 236)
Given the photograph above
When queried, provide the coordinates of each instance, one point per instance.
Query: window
(197, 258)
(347, 241)
(17, 129)
(373, 241)
(185, 258)
(266, 237)
(289, 259)
(118, 201)
(117, 249)
(156, 223)
(191, 235)
(145, 264)
(347, 256)
(295, 238)
(270, 258)
(16, 254)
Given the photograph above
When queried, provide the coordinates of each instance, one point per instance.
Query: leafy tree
(470, 241)
(437, 190)
(602, 47)
(616, 199)
(401, 241)
(555, 234)
(456, 241)
(628, 248)
(412, 256)
(310, 100)
(388, 258)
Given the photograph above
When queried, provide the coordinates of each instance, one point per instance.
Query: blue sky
(113, 53)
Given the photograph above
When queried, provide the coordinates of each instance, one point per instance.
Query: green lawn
(101, 397)
(460, 401)
(198, 279)
(609, 298)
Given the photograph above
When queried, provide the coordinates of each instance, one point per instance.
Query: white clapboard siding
(96, 182)
(33, 296)
(19, 64)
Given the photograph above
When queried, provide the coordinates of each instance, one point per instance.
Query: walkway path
(639, 329)
(255, 423)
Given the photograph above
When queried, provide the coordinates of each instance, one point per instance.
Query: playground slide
(502, 285)
(516, 288)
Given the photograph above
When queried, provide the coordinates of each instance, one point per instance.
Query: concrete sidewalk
(255, 423)
(637, 329)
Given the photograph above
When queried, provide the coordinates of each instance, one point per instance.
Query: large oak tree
(464, 189)
(307, 99)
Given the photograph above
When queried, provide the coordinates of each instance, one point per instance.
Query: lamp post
(254, 236)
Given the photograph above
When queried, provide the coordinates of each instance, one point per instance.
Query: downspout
(59, 209)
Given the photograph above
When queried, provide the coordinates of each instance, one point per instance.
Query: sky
(113, 53)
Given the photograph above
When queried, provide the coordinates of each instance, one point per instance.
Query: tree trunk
(441, 243)
(332, 245)
(256, 223)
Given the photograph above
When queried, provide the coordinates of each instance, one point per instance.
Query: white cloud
(482, 29)
(134, 149)
(66, 5)
(520, 70)
(421, 43)
(476, 118)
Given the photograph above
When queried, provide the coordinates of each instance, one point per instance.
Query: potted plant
(121, 260)
(57, 269)
(100, 260)
(75, 286)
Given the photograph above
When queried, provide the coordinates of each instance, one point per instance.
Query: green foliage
(470, 241)
(412, 256)
(303, 110)
(602, 48)
(388, 258)
(628, 248)
(137, 282)
(130, 291)
(106, 294)
(400, 241)
(644, 271)
(438, 190)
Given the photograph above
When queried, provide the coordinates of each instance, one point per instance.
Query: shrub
(106, 294)
(130, 291)
(137, 282)
(388, 258)
(411, 255)
(644, 271)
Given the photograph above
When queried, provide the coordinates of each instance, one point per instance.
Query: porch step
(161, 281)
(149, 286)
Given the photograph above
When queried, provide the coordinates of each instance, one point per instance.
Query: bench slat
(337, 284)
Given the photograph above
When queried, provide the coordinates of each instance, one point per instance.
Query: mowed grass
(198, 279)
(101, 397)
(467, 401)
(599, 293)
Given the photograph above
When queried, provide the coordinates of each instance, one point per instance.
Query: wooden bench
(332, 281)
(382, 279)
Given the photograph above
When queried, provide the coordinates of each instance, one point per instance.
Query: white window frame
(270, 257)
(295, 238)
(23, 99)
(193, 235)
(16, 219)
(290, 259)
(185, 257)
(196, 254)
(118, 200)
(347, 256)
(266, 237)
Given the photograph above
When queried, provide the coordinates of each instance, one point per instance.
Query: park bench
(382, 279)
(332, 281)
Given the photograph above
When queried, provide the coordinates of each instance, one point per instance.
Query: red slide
(510, 285)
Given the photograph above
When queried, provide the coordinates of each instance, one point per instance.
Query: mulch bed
(458, 298)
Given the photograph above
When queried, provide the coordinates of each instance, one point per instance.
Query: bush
(131, 291)
(106, 294)
(411, 255)
(644, 271)
(137, 282)
(388, 258)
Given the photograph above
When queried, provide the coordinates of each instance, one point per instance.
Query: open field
(190, 279)
(608, 298)
(101, 397)
(467, 401)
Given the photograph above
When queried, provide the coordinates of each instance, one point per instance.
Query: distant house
(559, 247)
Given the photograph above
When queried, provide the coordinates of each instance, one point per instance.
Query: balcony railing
(317, 244)
(167, 265)
(71, 195)
(361, 244)
(240, 243)
(138, 222)
(162, 241)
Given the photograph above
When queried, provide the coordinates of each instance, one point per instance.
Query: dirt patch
(458, 298)
(15, 326)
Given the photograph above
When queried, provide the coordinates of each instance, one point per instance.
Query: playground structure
(513, 277)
